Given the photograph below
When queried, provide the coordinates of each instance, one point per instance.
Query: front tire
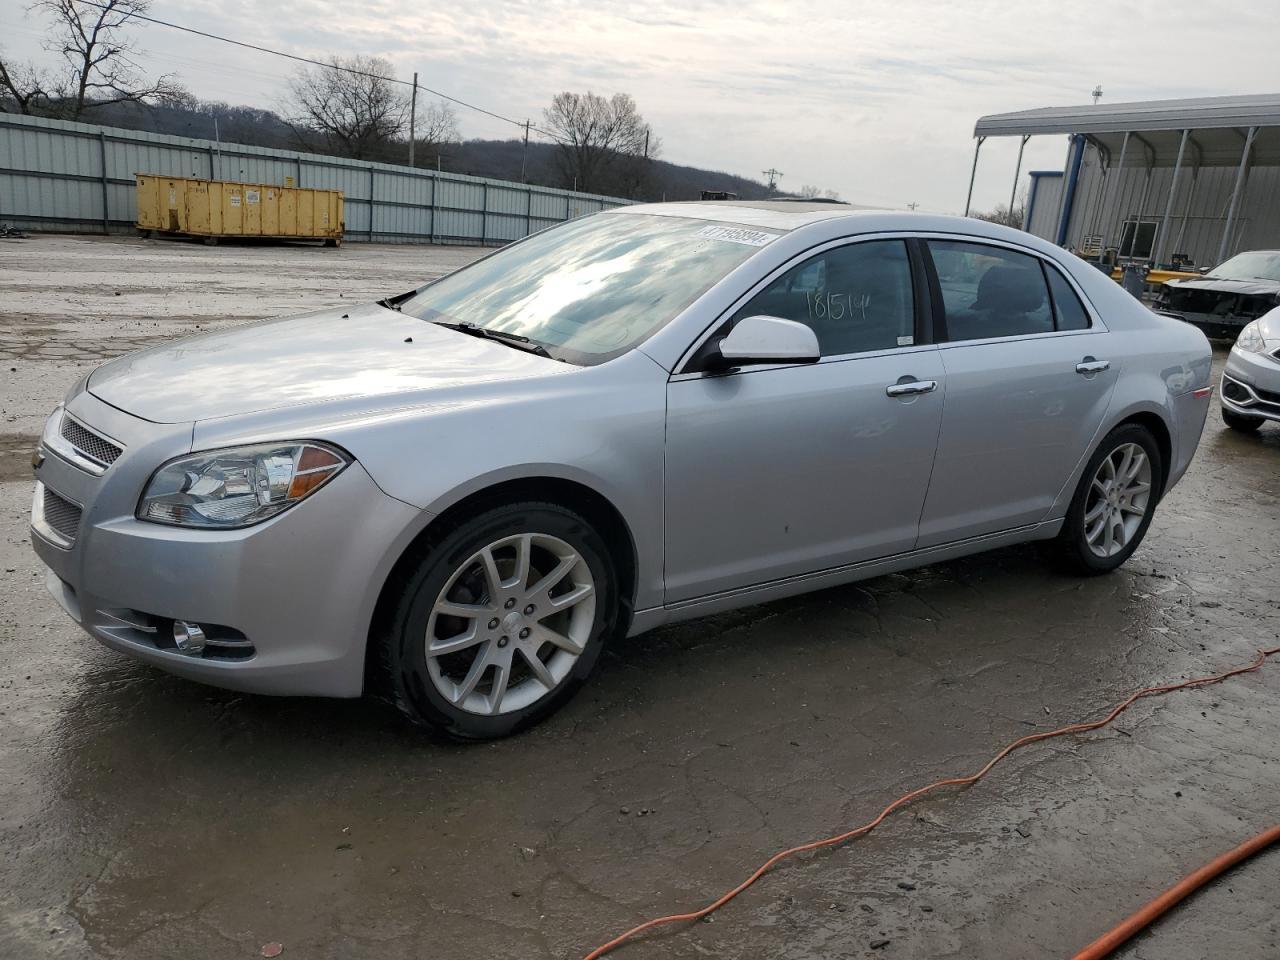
(499, 622)
(1237, 421)
(1114, 502)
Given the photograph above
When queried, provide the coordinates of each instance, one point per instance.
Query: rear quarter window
(1069, 312)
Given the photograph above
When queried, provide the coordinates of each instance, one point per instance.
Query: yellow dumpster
(219, 208)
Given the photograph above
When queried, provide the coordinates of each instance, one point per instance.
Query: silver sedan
(454, 497)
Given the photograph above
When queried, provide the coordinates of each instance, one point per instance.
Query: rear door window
(990, 291)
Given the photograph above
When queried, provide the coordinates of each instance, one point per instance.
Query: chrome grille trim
(89, 443)
(54, 517)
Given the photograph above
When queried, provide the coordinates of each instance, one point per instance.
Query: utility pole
(912, 205)
(524, 156)
(773, 176)
(1097, 94)
(217, 137)
(413, 116)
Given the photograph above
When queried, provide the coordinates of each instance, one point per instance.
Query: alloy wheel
(510, 623)
(1118, 498)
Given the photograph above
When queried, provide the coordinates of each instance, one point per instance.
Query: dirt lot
(142, 816)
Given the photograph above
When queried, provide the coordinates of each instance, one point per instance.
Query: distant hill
(499, 159)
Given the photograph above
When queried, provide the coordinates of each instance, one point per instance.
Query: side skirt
(835, 576)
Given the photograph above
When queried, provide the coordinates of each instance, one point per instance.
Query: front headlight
(1251, 339)
(240, 486)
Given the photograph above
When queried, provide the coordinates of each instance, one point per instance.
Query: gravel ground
(142, 816)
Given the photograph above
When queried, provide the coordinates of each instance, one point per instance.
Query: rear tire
(478, 642)
(1237, 421)
(1113, 503)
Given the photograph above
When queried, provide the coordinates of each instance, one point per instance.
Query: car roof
(786, 216)
(772, 214)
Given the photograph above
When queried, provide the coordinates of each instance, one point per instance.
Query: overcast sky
(873, 99)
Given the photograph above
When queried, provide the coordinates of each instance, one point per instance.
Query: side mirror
(764, 339)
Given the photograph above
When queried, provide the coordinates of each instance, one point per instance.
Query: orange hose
(1110, 941)
(906, 798)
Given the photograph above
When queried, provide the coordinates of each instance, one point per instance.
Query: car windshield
(591, 289)
(1256, 265)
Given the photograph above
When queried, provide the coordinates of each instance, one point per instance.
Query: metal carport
(1198, 161)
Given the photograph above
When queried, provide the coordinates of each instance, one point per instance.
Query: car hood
(1220, 285)
(366, 351)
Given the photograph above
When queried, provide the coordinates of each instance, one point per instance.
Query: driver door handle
(910, 388)
(1089, 365)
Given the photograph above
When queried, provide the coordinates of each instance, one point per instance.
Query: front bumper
(1210, 324)
(299, 588)
(1251, 385)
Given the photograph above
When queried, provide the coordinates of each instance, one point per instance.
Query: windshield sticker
(751, 238)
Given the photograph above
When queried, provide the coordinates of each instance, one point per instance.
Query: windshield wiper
(500, 336)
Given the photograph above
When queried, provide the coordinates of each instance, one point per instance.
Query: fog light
(188, 637)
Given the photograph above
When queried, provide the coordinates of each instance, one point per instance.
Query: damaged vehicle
(455, 497)
(1228, 297)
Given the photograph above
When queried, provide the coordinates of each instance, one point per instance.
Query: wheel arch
(1158, 427)
(1149, 416)
(571, 493)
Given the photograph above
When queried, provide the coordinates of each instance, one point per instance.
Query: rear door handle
(910, 388)
(1089, 366)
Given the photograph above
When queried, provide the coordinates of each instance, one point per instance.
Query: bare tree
(810, 192)
(1002, 214)
(594, 134)
(352, 105)
(434, 128)
(24, 86)
(99, 66)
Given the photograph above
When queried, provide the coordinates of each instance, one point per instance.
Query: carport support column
(1017, 170)
(1113, 189)
(1162, 239)
(968, 200)
(1235, 193)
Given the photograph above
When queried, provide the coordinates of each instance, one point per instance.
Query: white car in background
(1250, 393)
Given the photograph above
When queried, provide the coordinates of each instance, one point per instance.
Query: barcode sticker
(752, 238)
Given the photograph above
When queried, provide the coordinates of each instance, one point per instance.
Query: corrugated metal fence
(58, 175)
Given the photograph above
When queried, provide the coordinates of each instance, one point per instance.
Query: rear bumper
(1251, 385)
(300, 587)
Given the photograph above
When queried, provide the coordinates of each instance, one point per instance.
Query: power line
(319, 63)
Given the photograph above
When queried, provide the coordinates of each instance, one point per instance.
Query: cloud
(873, 98)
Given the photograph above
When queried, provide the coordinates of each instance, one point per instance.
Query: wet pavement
(143, 816)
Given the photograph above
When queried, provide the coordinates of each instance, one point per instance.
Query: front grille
(1222, 305)
(62, 516)
(88, 443)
